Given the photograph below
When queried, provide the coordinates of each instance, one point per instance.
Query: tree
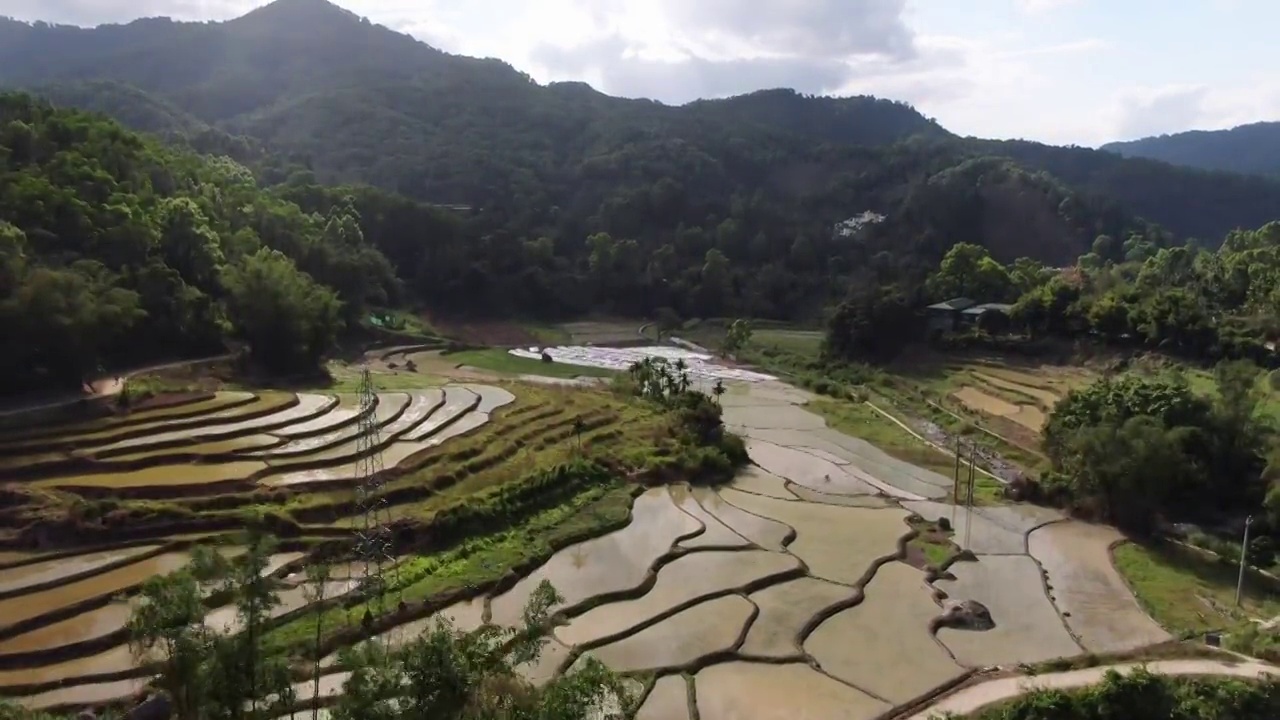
(968, 270)
(315, 590)
(736, 337)
(871, 324)
(167, 626)
(288, 319)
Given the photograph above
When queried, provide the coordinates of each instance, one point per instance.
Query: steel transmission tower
(374, 542)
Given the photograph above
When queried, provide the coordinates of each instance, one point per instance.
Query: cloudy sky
(1060, 71)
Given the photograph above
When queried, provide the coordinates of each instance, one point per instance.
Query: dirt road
(976, 697)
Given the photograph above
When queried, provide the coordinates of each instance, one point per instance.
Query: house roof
(952, 304)
(988, 307)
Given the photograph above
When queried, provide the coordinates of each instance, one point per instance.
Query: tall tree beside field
(288, 319)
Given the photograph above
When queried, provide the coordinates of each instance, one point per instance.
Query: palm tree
(718, 389)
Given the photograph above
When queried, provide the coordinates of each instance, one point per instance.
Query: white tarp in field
(701, 365)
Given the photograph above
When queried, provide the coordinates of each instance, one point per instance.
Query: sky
(1080, 72)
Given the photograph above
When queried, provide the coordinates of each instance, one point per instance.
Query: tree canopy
(115, 249)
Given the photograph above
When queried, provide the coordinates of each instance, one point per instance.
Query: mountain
(1251, 149)
(304, 88)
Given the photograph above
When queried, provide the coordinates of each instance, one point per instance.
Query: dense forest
(115, 249)
(564, 161)
(1252, 149)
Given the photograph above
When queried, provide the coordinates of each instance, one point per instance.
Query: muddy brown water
(306, 406)
(614, 562)
(710, 627)
(785, 610)
(83, 694)
(837, 543)
(85, 626)
(162, 475)
(117, 659)
(217, 447)
(456, 402)
(133, 421)
(669, 700)
(768, 534)
(25, 607)
(266, 403)
(715, 534)
(738, 690)
(51, 570)
(683, 580)
(226, 619)
(894, 655)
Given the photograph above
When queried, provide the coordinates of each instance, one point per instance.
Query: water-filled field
(785, 592)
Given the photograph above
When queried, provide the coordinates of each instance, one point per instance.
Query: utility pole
(968, 524)
(1244, 549)
(955, 486)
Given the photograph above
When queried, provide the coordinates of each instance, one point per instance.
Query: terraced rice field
(785, 594)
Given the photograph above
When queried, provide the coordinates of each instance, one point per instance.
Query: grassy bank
(499, 360)
(1188, 591)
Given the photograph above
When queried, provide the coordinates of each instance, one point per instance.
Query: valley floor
(824, 581)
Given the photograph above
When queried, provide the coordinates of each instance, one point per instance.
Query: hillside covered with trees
(115, 249)
(1252, 149)
(564, 161)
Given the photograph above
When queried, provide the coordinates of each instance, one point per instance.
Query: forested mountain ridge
(564, 160)
(1250, 149)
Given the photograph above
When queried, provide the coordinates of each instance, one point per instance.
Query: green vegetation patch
(1190, 591)
(932, 546)
(500, 361)
(861, 420)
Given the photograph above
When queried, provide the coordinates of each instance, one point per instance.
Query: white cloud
(1037, 7)
(999, 68)
(1143, 111)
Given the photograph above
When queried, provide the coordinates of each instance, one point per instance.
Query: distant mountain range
(1250, 149)
(356, 102)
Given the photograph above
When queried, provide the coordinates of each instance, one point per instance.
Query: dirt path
(101, 387)
(975, 697)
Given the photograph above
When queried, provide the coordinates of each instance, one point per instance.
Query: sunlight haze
(1060, 71)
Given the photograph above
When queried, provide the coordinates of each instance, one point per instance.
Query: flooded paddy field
(781, 594)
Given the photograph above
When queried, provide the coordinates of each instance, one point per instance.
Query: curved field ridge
(883, 645)
(1099, 608)
(1028, 628)
(973, 698)
(616, 562)
(668, 700)
(733, 691)
(682, 639)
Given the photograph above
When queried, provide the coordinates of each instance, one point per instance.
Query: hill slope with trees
(116, 249)
(1250, 149)
(563, 160)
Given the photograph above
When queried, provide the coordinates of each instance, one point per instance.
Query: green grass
(500, 361)
(862, 421)
(480, 560)
(799, 342)
(933, 542)
(1187, 591)
(346, 379)
(548, 334)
